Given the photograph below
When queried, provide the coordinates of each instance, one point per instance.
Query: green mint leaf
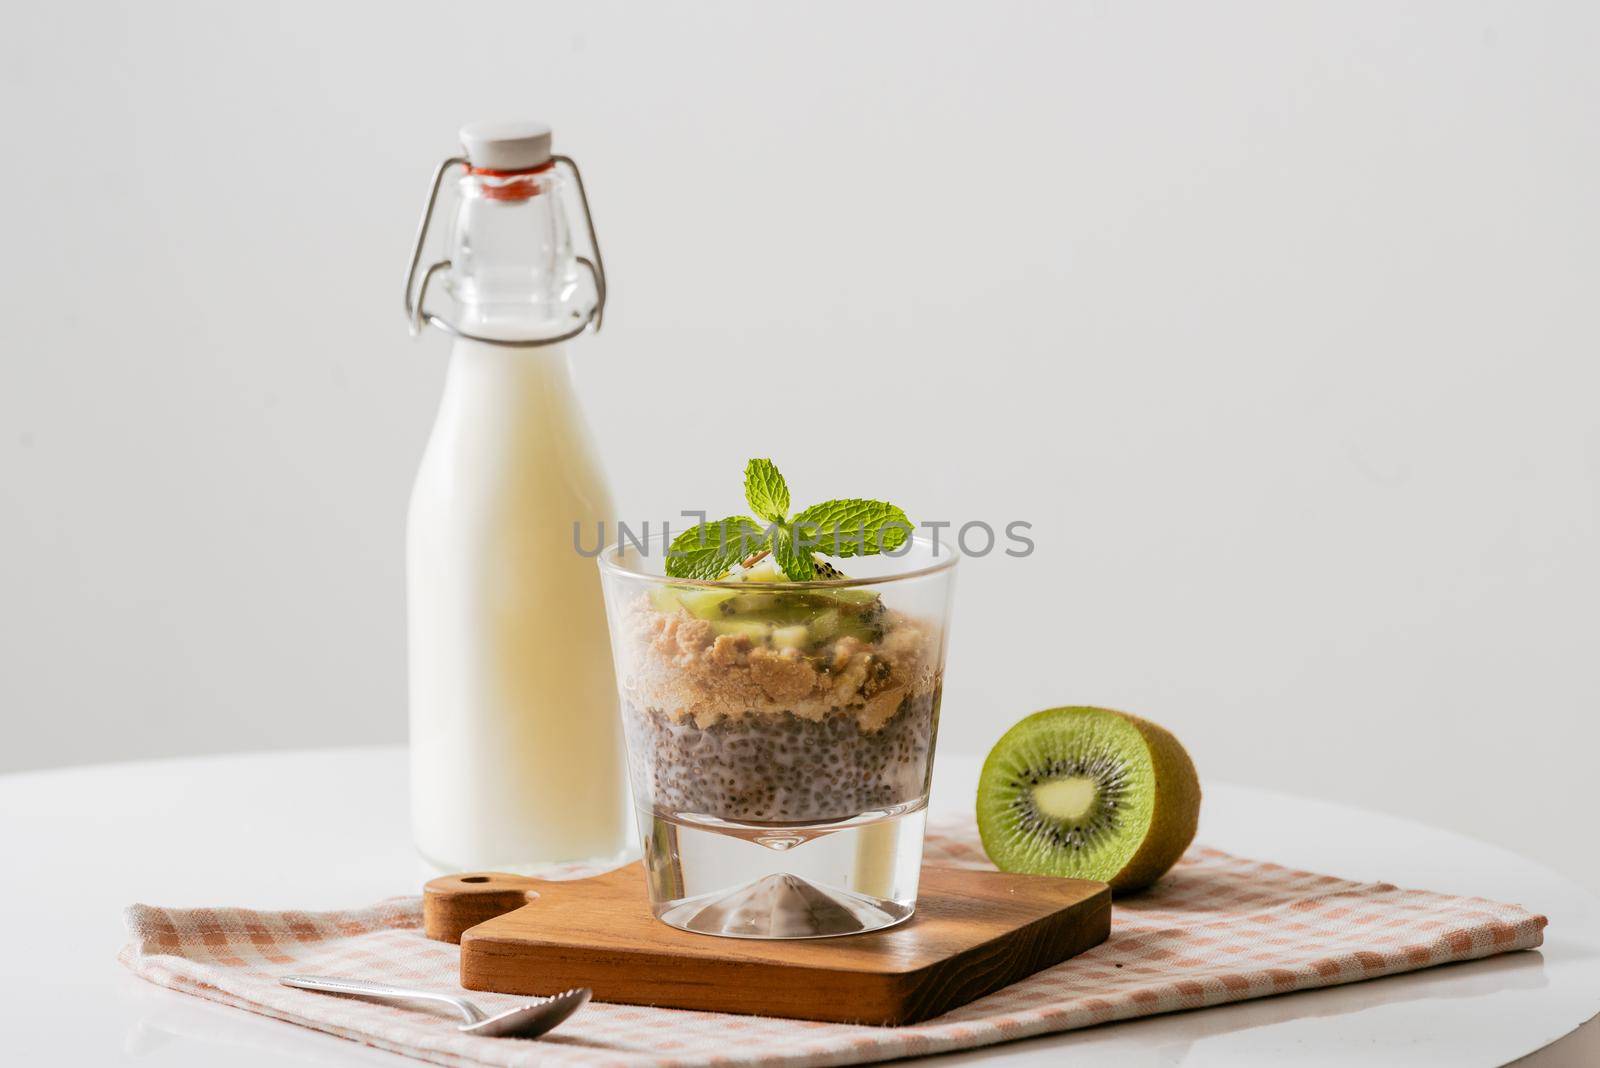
(766, 491)
(706, 550)
(795, 561)
(852, 527)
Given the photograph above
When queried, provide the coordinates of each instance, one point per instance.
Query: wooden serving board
(973, 933)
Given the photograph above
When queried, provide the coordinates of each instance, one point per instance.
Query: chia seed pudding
(778, 708)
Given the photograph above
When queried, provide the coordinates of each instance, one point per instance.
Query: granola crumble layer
(680, 666)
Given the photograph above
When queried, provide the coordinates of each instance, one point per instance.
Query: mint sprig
(708, 549)
(794, 560)
(766, 491)
(851, 526)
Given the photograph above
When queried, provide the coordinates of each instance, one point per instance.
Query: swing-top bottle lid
(515, 145)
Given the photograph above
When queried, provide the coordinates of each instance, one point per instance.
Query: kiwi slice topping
(804, 620)
(1088, 793)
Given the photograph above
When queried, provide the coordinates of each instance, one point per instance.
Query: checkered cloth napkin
(1218, 928)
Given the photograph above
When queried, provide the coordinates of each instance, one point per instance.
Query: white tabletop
(328, 829)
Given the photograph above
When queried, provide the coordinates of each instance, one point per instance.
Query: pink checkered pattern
(1218, 928)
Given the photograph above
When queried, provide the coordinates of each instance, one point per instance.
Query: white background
(1277, 321)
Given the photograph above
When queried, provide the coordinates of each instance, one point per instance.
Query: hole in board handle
(474, 878)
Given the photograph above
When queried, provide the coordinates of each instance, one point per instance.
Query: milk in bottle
(516, 758)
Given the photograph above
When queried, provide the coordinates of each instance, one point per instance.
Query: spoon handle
(328, 984)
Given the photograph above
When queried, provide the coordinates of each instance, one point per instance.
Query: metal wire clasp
(417, 315)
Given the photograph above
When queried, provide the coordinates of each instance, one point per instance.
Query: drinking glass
(780, 738)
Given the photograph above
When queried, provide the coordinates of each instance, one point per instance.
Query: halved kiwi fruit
(1088, 793)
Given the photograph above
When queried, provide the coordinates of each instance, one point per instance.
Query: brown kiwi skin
(1177, 808)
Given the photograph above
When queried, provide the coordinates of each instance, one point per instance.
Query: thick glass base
(741, 880)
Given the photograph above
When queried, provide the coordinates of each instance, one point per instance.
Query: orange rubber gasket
(513, 189)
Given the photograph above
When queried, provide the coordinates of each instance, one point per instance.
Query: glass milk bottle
(516, 759)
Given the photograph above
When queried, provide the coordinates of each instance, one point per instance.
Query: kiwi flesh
(1088, 793)
(754, 629)
(826, 570)
(789, 619)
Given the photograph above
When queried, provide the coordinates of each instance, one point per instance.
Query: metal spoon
(524, 1021)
